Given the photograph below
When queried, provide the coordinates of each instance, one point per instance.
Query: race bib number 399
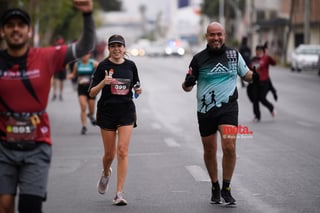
(120, 86)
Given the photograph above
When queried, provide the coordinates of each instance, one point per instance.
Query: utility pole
(33, 8)
(238, 20)
(307, 11)
(221, 13)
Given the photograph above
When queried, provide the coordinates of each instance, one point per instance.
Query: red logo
(237, 131)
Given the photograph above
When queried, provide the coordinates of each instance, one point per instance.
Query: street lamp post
(307, 21)
(221, 12)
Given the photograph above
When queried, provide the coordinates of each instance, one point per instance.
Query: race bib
(83, 80)
(20, 129)
(120, 86)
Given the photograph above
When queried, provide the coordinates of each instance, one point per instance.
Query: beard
(217, 51)
(16, 46)
(16, 42)
(216, 45)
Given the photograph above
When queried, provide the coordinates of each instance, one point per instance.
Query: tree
(286, 44)
(114, 5)
(56, 17)
(210, 8)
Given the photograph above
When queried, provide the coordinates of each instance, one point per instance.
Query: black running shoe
(215, 194)
(275, 96)
(226, 195)
(92, 120)
(83, 130)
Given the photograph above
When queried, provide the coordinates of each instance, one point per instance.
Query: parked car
(319, 64)
(305, 57)
(176, 47)
(138, 48)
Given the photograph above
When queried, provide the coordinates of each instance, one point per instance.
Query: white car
(156, 48)
(305, 57)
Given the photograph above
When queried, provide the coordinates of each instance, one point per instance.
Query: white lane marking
(198, 173)
(171, 142)
(306, 124)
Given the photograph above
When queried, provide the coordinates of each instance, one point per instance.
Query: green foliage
(57, 17)
(108, 5)
(210, 8)
(54, 18)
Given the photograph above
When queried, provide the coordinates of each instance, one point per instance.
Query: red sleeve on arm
(271, 61)
(57, 57)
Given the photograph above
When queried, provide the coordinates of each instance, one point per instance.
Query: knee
(229, 149)
(122, 152)
(210, 151)
(108, 156)
(30, 203)
(83, 108)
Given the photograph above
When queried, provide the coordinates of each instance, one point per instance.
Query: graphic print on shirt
(216, 82)
(29, 75)
(12, 69)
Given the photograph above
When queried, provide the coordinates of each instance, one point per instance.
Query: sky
(153, 7)
(131, 12)
(174, 21)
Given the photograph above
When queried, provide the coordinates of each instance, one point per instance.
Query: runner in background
(257, 91)
(70, 70)
(84, 69)
(245, 51)
(60, 76)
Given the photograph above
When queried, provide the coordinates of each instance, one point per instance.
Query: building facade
(283, 24)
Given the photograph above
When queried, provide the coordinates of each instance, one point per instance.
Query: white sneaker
(119, 200)
(103, 182)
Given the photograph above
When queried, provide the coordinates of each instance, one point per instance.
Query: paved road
(277, 168)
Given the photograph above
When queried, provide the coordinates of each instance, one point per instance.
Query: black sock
(225, 184)
(215, 185)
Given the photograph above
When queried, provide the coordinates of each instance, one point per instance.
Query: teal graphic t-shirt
(216, 77)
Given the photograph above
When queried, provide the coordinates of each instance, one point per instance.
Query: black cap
(116, 39)
(15, 12)
(259, 47)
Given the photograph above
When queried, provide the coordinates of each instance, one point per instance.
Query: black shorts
(61, 75)
(209, 122)
(112, 116)
(83, 90)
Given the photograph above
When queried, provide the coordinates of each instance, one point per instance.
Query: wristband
(87, 13)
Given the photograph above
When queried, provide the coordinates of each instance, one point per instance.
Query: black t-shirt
(246, 54)
(125, 76)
